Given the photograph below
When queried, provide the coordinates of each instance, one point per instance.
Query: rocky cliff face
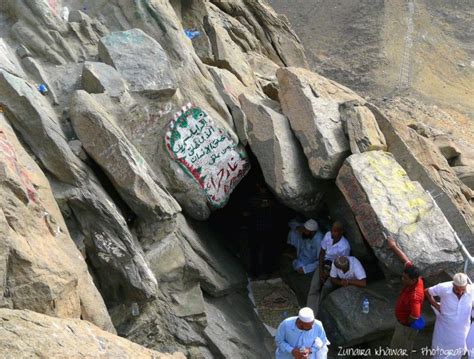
(108, 178)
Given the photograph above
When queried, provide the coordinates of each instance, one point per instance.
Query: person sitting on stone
(333, 245)
(305, 238)
(307, 241)
(345, 271)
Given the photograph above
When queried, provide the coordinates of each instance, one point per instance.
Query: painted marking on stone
(207, 153)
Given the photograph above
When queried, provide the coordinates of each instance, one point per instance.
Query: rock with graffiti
(207, 153)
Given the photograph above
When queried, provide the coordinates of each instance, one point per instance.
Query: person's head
(310, 227)
(336, 231)
(342, 263)
(305, 319)
(410, 275)
(459, 284)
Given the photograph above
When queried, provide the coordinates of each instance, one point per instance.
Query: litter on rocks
(43, 89)
(191, 34)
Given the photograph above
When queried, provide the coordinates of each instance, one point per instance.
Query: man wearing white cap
(306, 239)
(301, 337)
(453, 314)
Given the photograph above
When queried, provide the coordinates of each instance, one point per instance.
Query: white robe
(452, 324)
(470, 339)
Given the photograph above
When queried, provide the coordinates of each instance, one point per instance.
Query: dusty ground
(400, 50)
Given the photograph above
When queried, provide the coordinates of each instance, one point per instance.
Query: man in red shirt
(409, 302)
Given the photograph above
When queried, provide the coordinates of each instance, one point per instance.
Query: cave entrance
(254, 226)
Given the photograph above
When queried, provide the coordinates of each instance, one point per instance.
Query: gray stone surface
(40, 266)
(98, 77)
(8, 60)
(226, 53)
(423, 162)
(124, 165)
(385, 200)
(466, 156)
(362, 128)
(109, 238)
(280, 155)
(33, 117)
(230, 88)
(233, 329)
(49, 337)
(311, 103)
(466, 175)
(346, 324)
(447, 147)
(140, 60)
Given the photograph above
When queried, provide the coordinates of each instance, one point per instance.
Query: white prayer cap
(311, 225)
(460, 280)
(306, 315)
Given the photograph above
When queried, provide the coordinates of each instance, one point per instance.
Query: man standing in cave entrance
(333, 245)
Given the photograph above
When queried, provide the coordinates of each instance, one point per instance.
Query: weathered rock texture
(41, 268)
(311, 103)
(140, 60)
(362, 128)
(385, 201)
(48, 337)
(424, 163)
(97, 140)
(347, 325)
(98, 77)
(280, 156)
(124, 165)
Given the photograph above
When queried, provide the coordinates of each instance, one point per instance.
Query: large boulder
(25, 334)
(140, 60)
(279, 154)
(226, 53)
(385, 201)
(107, 145)
(466, 175)
(192, 252)
(423, 162)
(311, 103)
(362, 128)
(74, 184)
(234, 330)
(98, 77)
(40, 266)
(34, 118)
(230, 88)
(8, 61)
(345, 323)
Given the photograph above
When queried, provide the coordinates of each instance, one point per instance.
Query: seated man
(333, 245)
(345, 271)
(301, 337)
(306, 239)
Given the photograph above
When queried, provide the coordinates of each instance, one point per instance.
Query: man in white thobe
(453, 314)
(301, 337)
